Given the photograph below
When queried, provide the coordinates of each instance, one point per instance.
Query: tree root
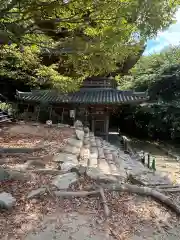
(19, 150)
(170, 190)
(106, 208)
(66, 194)
(144, 191)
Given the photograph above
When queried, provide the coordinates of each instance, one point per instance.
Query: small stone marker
(64, 181)
(6, 200)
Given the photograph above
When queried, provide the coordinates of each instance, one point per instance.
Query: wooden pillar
(86, 114)
(50, 112)
(38, 112)
(93, 125)
(107, 127)
(62, 116)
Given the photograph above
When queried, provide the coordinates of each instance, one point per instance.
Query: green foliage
(5, 106)
(159, 74)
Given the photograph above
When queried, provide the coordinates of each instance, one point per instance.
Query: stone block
(79, 134)
(65, 180)
(71, 149)
(65, 157)
(6, 200)
(36, 193)
(67, 166)
(75, 142)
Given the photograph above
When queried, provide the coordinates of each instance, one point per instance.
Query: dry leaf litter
(129, 213)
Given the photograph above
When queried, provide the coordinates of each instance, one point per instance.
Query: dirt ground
(164, 162)
(48, 217)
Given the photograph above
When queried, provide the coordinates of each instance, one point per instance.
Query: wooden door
(99, 127)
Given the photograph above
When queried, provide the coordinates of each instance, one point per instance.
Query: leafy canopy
(75, 39)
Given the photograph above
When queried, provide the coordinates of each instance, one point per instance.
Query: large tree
(81, 38)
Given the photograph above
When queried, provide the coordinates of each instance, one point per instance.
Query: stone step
(103, 166)
(84, 162)
(113, 168)
(93, 162)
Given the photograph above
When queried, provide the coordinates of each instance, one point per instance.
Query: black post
(148, 160)
(143, 158)
(125, 145)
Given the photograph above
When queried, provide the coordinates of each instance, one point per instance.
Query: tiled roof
(87, 96)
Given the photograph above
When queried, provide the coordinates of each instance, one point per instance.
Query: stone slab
(75, 142)
(65, 157)
(150, 178)
(93, 162)
(67, 166)
(71, 149)
(6, 200)
(96, 174)
(84, 153)
(36, 193)
(63, 181)
(103, 166)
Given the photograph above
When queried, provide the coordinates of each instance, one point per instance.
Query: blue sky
(169, 37)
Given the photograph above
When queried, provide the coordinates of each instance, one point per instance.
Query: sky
(169, 37)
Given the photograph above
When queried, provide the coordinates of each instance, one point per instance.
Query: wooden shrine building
(93, 104)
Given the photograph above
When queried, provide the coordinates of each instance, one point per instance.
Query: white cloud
(167, 38)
